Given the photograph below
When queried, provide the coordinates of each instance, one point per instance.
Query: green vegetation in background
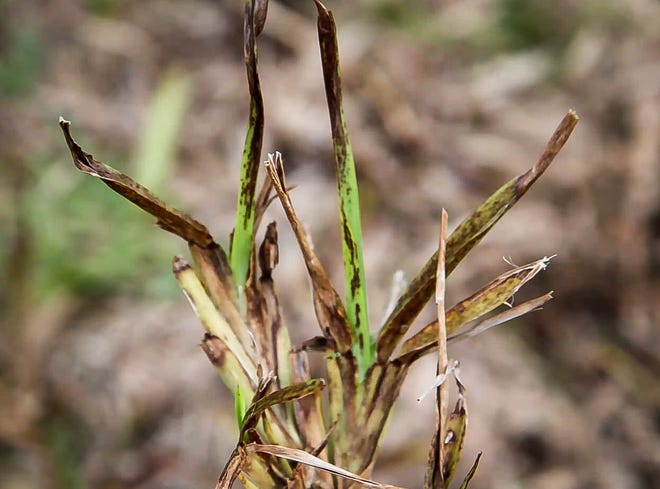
(525, 24)
(21, 61)
(104, 7)
(95, 260)
(89, 260)
(66, 440)
(511, 25)
(154, 155)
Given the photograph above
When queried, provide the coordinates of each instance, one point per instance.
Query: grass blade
(328, 307)
(483, 301)
(306, 458)
(157, 144)
(453, 438)
(270, 333)
(230, 370)
(214, 323)
(354, 276)
(502, 317)
(286, 394)
(231, 470)
(473, 470)
(392, 379)
(168, 218)
(308, 411)
(435, 475)
(241, 247)
(464, 238)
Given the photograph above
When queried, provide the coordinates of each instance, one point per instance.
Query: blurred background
(102, 384)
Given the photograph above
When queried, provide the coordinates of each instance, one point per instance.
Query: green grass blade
(154, 156)
(354, 276)
(241, 246)
(240, 406)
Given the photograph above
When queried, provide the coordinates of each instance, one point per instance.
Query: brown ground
(101, 382)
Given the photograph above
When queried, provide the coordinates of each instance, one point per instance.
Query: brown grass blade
(492, 295)
(372, 431)
(264, 311)
(280, 396)
(464, 238)
(168, 218)
(281, 343)
(260, 10)
(473, 470)
(329, 309)
(306, 458)
(231, 470)
(434, 478)
(454, 435)
(504, 316)
(308, 411)
(229, 369)
(342, 398)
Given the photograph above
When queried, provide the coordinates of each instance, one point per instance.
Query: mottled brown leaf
(464, 238)
(168, 218)
(487, 298)
(329, 309)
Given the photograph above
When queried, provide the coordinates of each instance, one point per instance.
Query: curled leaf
(168, 218)
(286, 394)
(306, 458)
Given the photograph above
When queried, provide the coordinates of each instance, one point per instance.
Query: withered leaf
(473, 470)
(313, 461)
(487, 298)
(328, 306)
(286, 394)
(464, 238)
(168, 218)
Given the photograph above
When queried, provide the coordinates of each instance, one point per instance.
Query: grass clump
(291, 433)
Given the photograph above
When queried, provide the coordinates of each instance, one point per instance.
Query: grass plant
(296, 431)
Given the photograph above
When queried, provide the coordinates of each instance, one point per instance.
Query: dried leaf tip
(179, 265)
(273, 159)
(320, 7)
(63, 122)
